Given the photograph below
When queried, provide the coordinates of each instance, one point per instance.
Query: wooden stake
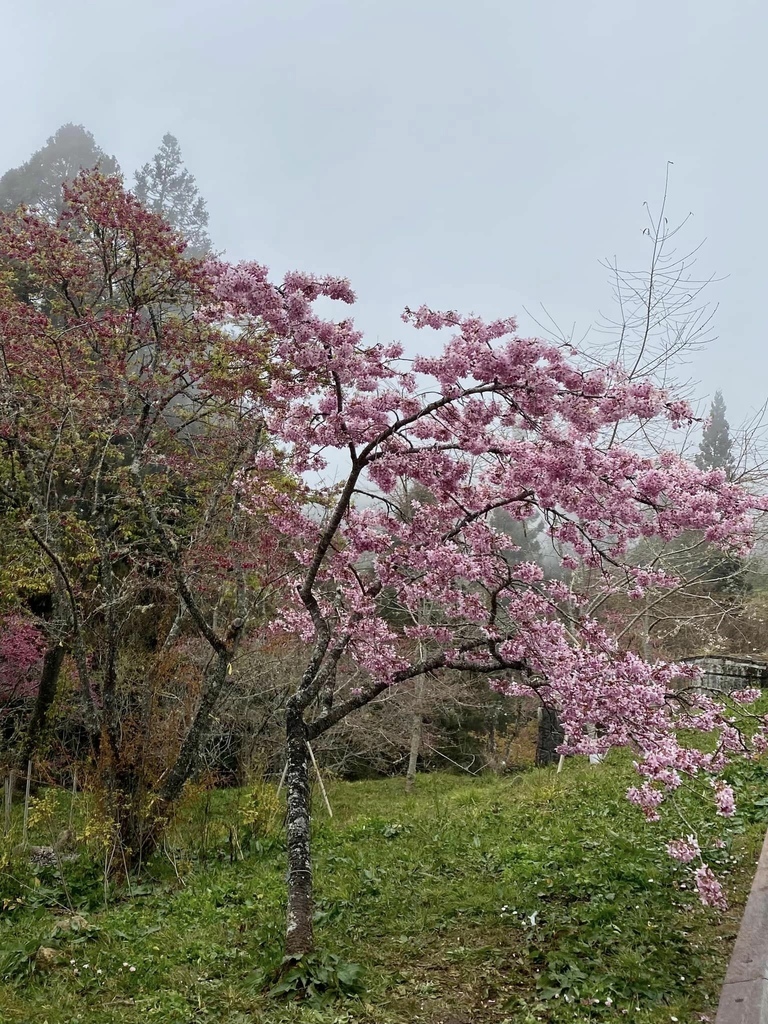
(6, 805)
(72, 800)
(10, 784)
(282, 778)
(320, 780)
(26, 800)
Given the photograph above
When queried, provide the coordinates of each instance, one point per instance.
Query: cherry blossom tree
(163, 422)
(123, 421)
(494, 421)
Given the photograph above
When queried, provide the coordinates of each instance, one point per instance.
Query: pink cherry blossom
(710, 890)
(684, 850)
(21, 654)
(724, 799)
(492, 421)
(747, 696)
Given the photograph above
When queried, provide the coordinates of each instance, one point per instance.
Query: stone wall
(728, 673)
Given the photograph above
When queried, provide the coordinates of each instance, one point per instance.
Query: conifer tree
(37, 183)
(166, 187)
(716, 448)
(724, 573)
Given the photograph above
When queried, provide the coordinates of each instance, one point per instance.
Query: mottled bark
(298, 935)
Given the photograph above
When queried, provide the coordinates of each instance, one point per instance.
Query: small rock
(49, 856)
(46, 958)
(45, 856)
(73, 923)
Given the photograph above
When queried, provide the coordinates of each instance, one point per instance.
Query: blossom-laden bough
(494, 421)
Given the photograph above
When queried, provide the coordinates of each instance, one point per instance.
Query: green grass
(530, 898)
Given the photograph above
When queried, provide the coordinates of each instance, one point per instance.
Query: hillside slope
(529, 898)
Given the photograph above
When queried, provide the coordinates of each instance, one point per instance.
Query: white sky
(481, 157)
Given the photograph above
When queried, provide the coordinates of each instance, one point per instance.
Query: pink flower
(710, 890)
(748, 696)
(724, 799)
(684, 850)
(647, 799)
(21, 654)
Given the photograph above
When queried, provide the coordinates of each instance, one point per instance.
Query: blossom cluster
(493, 421)
(21, 653)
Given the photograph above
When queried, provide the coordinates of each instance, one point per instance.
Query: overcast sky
(481, 156)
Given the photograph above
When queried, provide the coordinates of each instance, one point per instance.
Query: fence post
(6, 807)
(72, 799)
(26, 800)
(10, 783)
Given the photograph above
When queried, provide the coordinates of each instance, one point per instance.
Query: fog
(478, 157)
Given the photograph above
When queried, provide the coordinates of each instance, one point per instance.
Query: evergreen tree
(723, 573)
(524, 537)
(716, 448)
(166, 187)
(37, 183)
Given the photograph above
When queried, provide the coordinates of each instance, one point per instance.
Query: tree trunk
(139, 832)
(549, 738)
(298, 934)
(188, 760)
(46, 694)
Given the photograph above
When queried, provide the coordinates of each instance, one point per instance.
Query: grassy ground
(530, 898)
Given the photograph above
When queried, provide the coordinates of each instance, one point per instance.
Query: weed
(317, 978)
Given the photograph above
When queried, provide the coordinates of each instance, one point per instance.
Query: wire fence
(11, 783)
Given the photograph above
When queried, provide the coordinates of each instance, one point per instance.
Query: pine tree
(524, 537)
(166, 187)
(716, 448)
(724, 573)
(37, 183)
